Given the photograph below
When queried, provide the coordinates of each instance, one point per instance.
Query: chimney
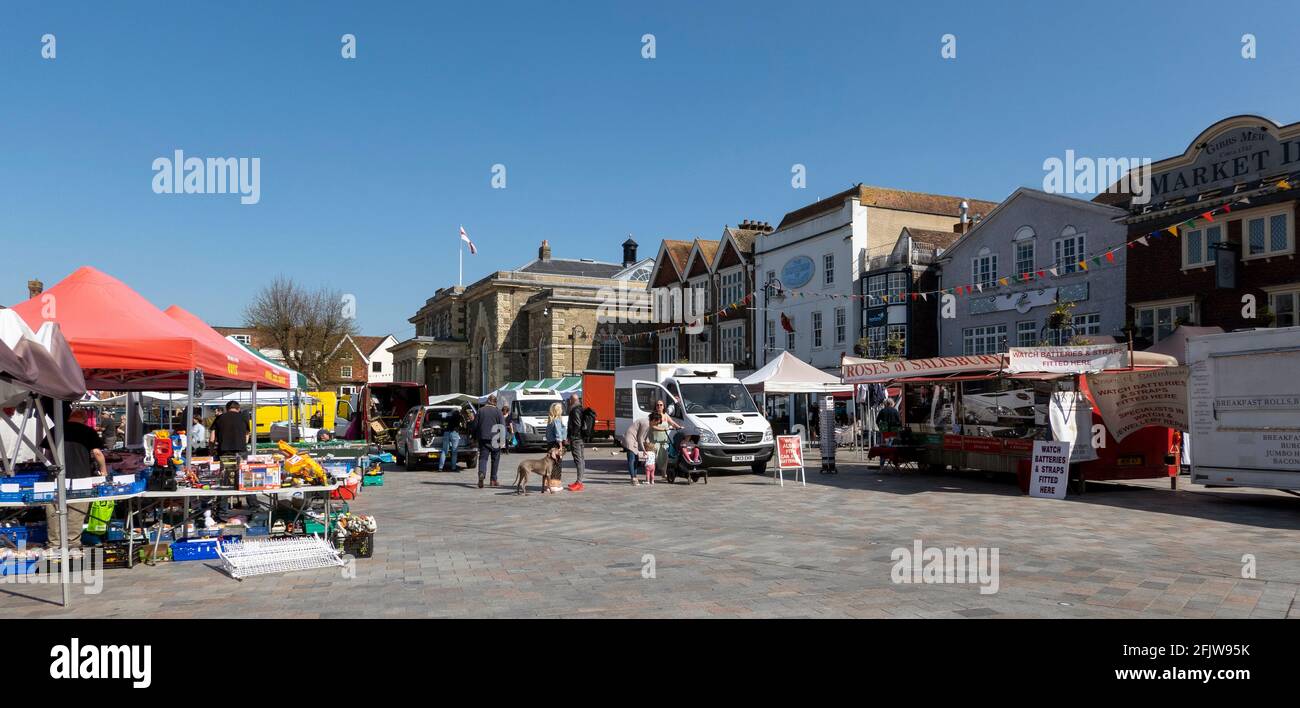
(544, 253)
(629, 251)
(34, 288)
(964, 210)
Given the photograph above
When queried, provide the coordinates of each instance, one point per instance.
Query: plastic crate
(18, 496)
(373, 480)
(116, 555)
(194, 549)
(346, 491)
(357, 545)
(310, 525)
(27, 479)
(16, 535)
(19, 566)
(38, 533)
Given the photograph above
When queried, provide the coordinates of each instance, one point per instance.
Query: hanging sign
(1068, 359)
(1131, 400)
(1025, 300)
(1070, 415)
(868, 372)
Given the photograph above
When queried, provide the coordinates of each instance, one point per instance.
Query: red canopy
(121, 341)
(239, 363)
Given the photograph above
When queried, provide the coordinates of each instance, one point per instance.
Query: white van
(707, 400)
(529, 408)
(1244, 408)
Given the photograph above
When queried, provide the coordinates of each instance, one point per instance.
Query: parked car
(419, 438)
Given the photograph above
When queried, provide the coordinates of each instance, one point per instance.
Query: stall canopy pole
(254, 448)
(189, 416)
(61, 482)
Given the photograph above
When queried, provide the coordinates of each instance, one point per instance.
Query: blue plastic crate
(18, 566)
(18, 496)
(198, 548)
(27, 479)
(17, 535)
(38, 533)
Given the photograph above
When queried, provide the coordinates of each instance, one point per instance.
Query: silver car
(419, 438)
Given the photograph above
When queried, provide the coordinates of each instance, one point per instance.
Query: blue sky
(369, 165)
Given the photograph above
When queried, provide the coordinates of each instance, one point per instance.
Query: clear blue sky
(370, 165)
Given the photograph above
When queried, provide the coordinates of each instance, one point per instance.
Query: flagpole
(460, 279)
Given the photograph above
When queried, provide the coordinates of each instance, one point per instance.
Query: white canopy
(1175, 343)
(789, 374)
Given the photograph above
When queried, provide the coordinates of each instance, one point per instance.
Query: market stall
(34, 367)
(801, 384)
(985, 411)
(121, 342)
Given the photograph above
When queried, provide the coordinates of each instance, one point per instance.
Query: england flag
(465, 237)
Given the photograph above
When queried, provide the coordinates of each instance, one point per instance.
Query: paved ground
(742, 547)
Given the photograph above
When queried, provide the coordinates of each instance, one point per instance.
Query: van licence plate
(1129, 461)
(742, 458)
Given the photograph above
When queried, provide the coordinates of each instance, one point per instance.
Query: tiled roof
(933, 239)
(744, 238)
(708, 251)
(885, 198)
(367, 345)
(572, 267)
(678, 251)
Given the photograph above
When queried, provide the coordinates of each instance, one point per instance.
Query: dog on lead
(547, 468)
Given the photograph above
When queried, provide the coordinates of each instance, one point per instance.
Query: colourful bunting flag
(1110, 256)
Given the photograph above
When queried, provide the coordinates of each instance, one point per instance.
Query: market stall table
(187, 494)
(898, 455)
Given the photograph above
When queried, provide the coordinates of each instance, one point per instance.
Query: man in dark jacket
(575, 441)
(490, 430)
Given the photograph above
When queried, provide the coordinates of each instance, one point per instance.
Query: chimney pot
(544, 252)
(34, 288)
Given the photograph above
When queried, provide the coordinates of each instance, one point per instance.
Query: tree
(305, 325)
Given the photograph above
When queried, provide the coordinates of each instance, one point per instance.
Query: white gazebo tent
(787, 375)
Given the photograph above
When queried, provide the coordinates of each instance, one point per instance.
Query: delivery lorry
(598, 395)
(707, 400)
(1244, 408)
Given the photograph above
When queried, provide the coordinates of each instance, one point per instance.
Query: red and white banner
(856, 372)
(1131, 400)
(1067, 360)
(465, 237)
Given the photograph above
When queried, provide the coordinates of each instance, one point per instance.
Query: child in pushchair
(688, 457)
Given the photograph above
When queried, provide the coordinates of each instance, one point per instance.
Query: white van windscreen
(532, 407)
(717, 398)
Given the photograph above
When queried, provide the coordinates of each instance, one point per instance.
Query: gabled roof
(703, 251)
(674, 253)
(1026, 192)
(885, 198)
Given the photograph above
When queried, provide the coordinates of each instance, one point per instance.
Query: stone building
(539, 320)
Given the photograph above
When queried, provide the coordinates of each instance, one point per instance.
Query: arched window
(611, 354)
(1024, 250)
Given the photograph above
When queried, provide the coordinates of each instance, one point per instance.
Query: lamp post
(573, 340)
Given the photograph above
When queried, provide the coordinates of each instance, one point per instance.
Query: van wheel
(759, 468)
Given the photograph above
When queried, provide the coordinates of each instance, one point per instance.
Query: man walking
(489, 430)
(576, 442)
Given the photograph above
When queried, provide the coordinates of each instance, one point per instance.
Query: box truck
(598, 395)
(1244, 408)
(707, 400)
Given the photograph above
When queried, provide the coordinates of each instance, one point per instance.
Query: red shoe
(575, 487)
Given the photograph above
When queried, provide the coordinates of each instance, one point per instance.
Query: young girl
(556, 434)
(688, 448)
(659, 441)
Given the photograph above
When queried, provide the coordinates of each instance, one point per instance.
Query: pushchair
(678, 466)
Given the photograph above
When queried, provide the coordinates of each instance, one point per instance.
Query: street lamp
(573, 340)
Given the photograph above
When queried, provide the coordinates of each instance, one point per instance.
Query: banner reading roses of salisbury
(856, 371)
(1131, 400)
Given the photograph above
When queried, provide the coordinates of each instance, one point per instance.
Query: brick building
(889, 312)
(1209, 275)
(355, 360)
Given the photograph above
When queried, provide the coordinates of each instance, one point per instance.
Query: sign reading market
(859, 371)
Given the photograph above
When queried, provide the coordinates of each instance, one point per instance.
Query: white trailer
(1244, 408)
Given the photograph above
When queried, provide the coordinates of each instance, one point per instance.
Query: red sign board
(789, 452)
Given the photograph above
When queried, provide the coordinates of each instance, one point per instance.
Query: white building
(808, 268)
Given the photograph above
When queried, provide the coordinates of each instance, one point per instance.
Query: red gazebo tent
(240, 364)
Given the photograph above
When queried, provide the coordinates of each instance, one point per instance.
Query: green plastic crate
(372, 480)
